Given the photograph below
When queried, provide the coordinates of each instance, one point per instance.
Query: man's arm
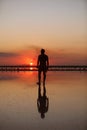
(38, 105)
(47, 104)
(47, 62)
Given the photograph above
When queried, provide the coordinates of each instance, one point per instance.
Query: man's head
(42, 51)
(42, 115)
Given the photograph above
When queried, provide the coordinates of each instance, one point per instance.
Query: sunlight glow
(31, 63)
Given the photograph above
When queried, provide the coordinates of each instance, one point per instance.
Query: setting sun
(31, 63)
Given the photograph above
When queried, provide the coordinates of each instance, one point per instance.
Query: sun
(31, 63)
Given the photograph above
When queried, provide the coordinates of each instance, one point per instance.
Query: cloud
(31, 52)
(8, 54)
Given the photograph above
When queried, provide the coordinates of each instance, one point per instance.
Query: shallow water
(66, 93)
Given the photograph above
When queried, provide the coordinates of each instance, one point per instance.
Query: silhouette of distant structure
(51, 68)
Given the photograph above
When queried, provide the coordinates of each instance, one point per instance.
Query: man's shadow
(42, 101)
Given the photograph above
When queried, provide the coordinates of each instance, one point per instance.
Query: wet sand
(67, 94)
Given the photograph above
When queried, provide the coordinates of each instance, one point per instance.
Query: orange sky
(57, 26)
(56, 56)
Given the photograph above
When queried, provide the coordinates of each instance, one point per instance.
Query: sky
(58, 26)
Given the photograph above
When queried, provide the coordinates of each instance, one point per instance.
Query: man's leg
(39, 76)
(39, 92)
(44, 91)
(44, 77)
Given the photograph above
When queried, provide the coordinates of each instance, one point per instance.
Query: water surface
(67, 94)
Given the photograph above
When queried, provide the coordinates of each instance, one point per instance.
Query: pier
(51, 68)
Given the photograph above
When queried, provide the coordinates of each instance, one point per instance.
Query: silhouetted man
(42, 64)
(42, 102)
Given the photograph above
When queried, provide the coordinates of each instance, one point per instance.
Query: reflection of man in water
(42, 64)
(42, 102)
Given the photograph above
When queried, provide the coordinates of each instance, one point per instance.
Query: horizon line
(50, 68)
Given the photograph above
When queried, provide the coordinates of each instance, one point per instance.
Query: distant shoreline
(51, 68)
